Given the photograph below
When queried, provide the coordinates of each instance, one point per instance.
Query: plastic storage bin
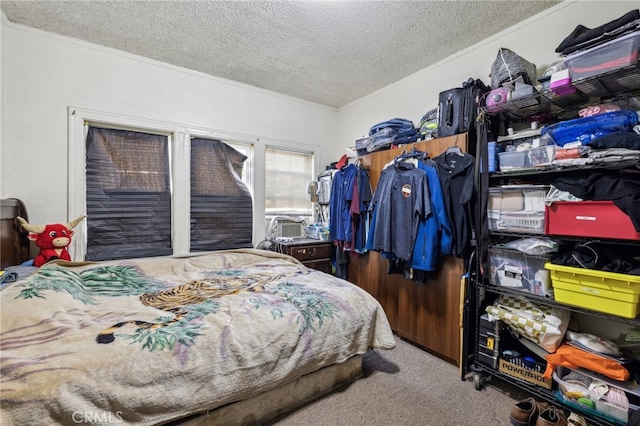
(608, 292)
(511, 160)
(517, 208)
(586, 129)
(597, 219)
(517, 270)
(607, 57)
(592, 395)
(534, 157)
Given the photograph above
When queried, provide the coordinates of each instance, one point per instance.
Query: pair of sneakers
(530, 412)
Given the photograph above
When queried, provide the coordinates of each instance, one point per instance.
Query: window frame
(312, 177)
(180, 151)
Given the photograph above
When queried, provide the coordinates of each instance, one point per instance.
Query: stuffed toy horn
(52, 239)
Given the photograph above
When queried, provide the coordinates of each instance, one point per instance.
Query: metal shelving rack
(619, 84)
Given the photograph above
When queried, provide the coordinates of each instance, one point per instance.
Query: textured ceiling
(329, 52)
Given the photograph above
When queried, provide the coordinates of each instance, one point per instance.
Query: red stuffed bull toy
(52, 239)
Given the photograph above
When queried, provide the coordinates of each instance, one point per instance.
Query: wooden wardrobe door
(427, 315)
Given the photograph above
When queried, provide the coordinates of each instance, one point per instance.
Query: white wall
(534, 39)
(43, 74)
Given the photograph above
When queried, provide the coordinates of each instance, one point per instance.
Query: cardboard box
(524, 373)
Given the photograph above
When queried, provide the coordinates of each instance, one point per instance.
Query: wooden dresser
(312, 253)
(14, 245)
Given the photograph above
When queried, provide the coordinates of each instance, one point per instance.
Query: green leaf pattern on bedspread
(183, 332)
(188, 303)
(84, 286)
(311, 304)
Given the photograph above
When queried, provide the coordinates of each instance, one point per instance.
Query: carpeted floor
(409, 386)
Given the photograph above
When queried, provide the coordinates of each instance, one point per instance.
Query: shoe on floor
(576, 420)
(525, 412)
(551, 417)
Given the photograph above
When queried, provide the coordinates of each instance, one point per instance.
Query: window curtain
(221, 204)
(128, 194)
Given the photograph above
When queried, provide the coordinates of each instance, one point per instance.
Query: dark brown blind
(221, 204)
(128, 194)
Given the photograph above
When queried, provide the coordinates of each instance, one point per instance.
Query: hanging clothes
(399, 203)
(360, 213)
(434, 236)
(349, 214)
(455, 170)
(340, 225)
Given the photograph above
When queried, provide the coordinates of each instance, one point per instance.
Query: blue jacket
(340, 225)
(434, 236)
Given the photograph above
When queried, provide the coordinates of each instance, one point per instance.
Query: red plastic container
(599, 219)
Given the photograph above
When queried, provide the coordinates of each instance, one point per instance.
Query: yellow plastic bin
(608, 292)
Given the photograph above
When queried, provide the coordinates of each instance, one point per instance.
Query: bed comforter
(146, 341)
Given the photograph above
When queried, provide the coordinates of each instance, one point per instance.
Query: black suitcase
(458, 107)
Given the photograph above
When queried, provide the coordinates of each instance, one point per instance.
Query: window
(128, 194)
(128, 180)
(146, 168)
(221, 205)
(287, 176)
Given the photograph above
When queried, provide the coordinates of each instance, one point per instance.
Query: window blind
(128, 194)
(221, 204)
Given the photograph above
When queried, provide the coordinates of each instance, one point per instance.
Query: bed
(230, 337)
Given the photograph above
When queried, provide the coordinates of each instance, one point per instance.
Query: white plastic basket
(518, 221)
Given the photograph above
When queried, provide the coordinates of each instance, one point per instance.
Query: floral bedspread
(149, 340)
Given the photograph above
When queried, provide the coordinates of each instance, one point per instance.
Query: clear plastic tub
(535, 157)
(610, 56)
(520, 271)
(592, 395)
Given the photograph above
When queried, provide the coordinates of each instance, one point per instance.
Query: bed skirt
(271, 404)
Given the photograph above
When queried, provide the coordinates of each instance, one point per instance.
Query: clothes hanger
(455, 149)
(414, 153)
(360, 164)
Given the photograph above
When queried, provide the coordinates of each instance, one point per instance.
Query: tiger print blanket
(146, 341)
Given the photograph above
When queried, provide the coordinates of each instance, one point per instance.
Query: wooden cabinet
(314, 254)
(427, 315)
(14, 244)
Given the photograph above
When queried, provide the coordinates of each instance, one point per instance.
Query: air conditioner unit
(286, 229)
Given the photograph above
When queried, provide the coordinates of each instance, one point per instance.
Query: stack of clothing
(603, 136)
(391, 132)
(582, 38)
